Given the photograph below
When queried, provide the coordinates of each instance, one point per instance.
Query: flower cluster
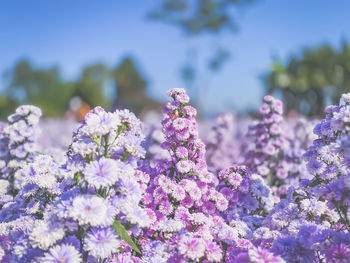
(272, 151)
(224, 142)
(114, 195)
(313, 219)
(247, 193)
(17, 142)
(182, 192)
(88, 209)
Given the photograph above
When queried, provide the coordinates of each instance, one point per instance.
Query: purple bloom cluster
(279, 194)
(17, 143)
(223, 142)
(182, 192)
(86, 210)
(274, 151)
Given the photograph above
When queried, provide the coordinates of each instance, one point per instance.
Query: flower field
(125, 191)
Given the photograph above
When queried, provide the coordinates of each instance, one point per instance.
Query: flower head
(92, 210)
(62, 254)
(101, 242)
(102, 173)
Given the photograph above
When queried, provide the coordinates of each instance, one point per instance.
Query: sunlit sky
(72, 34)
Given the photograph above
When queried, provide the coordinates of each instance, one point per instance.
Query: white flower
(193, 248)
(62, 253)
(101, 242)
(102, 173)
(4, 184)
(45, 234)
(92, 210)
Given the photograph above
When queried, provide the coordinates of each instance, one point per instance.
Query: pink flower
(179, 193)
(222, 204)
(275, 129)
(182, 135)
(338, 253)
(278, 106)
(265, 109)
(261, 255)
(183, 166)
(206, 177)
(270, 149)
(195, 193)
(268, 98)
(235, 179)
(213, 251)
(187, 201)
(168, 187)
(182, 98)
(181, 152)
(147, 198)
(190, 111)
(209, 207)
(227, 192)
(282, 173)
(192, 248)
(263, 170)
(151, 215)
(162, 179)
(166, 208)
(181, 214)
(179, 124)
(243, 243)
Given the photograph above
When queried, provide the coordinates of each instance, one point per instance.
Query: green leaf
(314, 183)
(77, 178)
(124, 235)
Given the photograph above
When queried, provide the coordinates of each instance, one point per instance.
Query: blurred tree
(41, 87)
(309, 81)
(45, 88)
(90, 85)
(7, 106)
(131, 88)
(196, 18)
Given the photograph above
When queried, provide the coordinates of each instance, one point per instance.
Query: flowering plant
(107, 199)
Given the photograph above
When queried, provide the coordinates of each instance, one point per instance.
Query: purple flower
(179, 124)
(261, 255)
(92, 210)
(101, 242)
(184, 166)
(102, 173)
(181, 152)
(62, 254)
(315, 166)
(213, 251)
(338, 253)
(192, 248)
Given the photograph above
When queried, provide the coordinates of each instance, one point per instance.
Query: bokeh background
(68, 56)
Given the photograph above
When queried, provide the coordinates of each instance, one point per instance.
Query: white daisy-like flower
(4, 184)
(102, 173)
(101, 242)
(62, 254)
(45, 234)
(193, 248)
(92, 210)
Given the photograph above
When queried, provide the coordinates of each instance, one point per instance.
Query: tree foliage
(198, 16)
(47, 89)
(89, 86)
(42, 87)
(310, 80)
(131, 87)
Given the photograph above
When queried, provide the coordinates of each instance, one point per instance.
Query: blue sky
(71, 34)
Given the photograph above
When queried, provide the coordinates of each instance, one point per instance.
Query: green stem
(106, 139)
